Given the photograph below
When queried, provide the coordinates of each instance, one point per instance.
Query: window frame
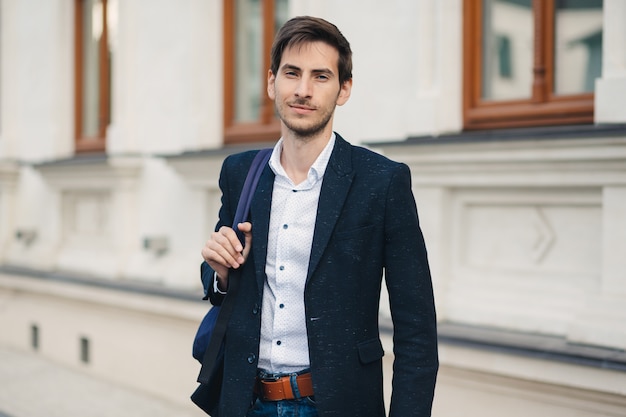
(267, 128)
(91, 143)
(544, 107)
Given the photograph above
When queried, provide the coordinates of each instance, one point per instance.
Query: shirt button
(281, 305)
(279, 343)
(282, 268)
(285, 226)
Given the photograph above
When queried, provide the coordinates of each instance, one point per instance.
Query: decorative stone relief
(524, 259)
(86, 217)
(97, 211)
(539, 238)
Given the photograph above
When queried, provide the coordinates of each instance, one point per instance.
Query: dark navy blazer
(366, 224)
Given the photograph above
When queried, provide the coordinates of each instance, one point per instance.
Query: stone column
(614, 241)
(601, 320)
(438, 65)
(611, 88)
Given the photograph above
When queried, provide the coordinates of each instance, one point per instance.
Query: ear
(271, 87)
(344, 92)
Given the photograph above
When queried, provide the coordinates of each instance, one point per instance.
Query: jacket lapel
(260, 216)
(335, 186)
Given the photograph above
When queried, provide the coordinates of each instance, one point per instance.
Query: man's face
(306, 88)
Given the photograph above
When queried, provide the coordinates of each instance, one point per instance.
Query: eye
(291, 74)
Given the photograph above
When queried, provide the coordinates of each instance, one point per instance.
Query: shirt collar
(316, 172)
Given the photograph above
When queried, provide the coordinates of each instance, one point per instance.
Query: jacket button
(255, 309)
(251, 358)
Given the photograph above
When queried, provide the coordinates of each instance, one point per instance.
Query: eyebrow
(314, 71)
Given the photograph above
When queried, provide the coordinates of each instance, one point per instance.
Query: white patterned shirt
(284, 342)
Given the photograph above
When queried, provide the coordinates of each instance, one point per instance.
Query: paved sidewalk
(32, 386)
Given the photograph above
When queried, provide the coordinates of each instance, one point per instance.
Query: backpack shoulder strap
(214, 350)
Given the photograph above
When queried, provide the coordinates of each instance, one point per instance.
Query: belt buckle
(270, 378)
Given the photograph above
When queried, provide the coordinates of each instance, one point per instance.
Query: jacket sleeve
(232, 164)
(207, 276)
(411, 300)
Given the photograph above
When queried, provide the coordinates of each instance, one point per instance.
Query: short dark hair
(305, 29)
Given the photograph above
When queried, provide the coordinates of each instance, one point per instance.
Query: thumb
(246, 229)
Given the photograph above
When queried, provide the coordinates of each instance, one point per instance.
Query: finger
(219, 263)
(232, 237)
(246, 228)
(234, 245)
(224, 248)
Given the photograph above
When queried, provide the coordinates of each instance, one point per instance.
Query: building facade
(115, 117)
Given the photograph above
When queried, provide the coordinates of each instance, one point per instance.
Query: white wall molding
(97, 212)
(534, 234)
(92, 173)
(202, 174)
(9, 174)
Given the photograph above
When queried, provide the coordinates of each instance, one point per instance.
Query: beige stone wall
(144, 342)
(463, 392)
(524, 235)
(135, 340)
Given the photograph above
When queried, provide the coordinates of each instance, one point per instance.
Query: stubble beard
(305, 133)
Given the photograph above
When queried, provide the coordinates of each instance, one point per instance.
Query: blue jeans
(304, 407)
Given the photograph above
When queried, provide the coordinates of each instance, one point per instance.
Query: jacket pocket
(362, 232)
(370, 351)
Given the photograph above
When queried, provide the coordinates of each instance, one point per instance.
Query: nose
(303, 88)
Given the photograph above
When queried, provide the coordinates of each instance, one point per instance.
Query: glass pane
(507, 61)
(577, 45)
(248, 60)
(250, 76)
(92, 32)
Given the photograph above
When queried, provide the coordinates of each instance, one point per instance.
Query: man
(327, 219)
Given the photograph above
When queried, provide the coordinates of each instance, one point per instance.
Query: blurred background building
(115, 116)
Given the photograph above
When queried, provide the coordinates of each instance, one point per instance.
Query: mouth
(301, 109)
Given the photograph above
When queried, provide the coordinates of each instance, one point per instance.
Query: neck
(299, 154)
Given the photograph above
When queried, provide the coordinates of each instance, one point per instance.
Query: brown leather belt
(280, 389)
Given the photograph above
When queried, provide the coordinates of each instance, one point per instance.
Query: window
(249, 29)
(530, 62)
(95, 30)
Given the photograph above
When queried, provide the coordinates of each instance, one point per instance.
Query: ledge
(531, 345)
(108, 296)
(551, 348)
(98, 171)
(129, 286)
(218, 152)
(98, 158)
(507, 135)
(9, 173)
(585, 156)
